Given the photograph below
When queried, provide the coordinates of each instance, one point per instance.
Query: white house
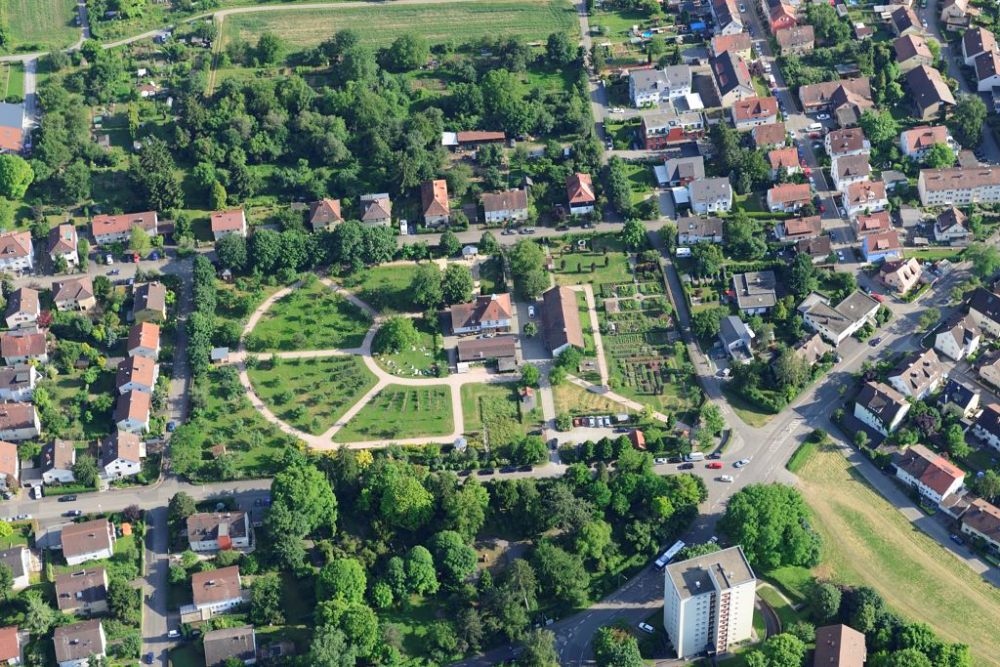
(77, 644)
(959, 338)
(23, 308)
(837, 323)
(144, 340)
(132, 411)
(710, 195)
(17, 383)
(489, 313)
(652, 86)
(229, 222)
(987, 426)
(881, 407)
(122, 455)
(58, 459)
(107, 229)
(17, 253)
(933, 476)
(18, 559)
(90, 540)
(919, 375)
(507, 206)
(216, 591)
(219, 531)
(21, 348)
(984, 309)
(19, 421)
(63, 241)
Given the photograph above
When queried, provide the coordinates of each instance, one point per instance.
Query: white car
(728, 479)
(531, 311)
(659, 461)
(741, 463)
(173, 634)
(647, 628)
(823, 116)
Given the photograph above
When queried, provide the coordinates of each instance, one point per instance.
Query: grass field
(419, 361)
(402, 412)
(41, 24)
(12, 80)
(575, 400)
(494, 408)
(313, 317)
(867, 541)
(380, 25)
(311, 394)
(385, 288)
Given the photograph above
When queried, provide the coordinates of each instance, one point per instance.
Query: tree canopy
(771, 522)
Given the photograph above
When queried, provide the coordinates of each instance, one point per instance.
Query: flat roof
(729, 568)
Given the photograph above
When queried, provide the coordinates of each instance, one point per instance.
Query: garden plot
(400, 412)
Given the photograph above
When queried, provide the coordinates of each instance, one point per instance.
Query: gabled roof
(10, 647)
(73, 289)
(87, 537)
(145, 335)
(961, 328)
(15, 558)
(79, 641)
(839, 646)
(931, 469)
(920, 371)
(29, 345)
(978, 40)
(121, 445)
(789, 193)
(863, 192)
(23, 300)
(709, 190)
(17, 416)
(783, 157)
(986, 303)
(819, 246)
(132, 405)
(755, 108)
(853, 166)
(699, 227)
(808, 226)
(847, 140)
(325, 212)
(434, 198)
(989, 420)
(959, 394)
(375, 207)
(580, 189)
(58, 455)
(62, 239)
(75, 589)
(488, 307)
(138, 369)
(210, 526)
(8, 459)
(881, 400)
(738, 42)
(789, 38)
(103, 225)
(561, 318)
(813, 349)
(911, 46)
(769, 134)
(685, 168)
(14, 245)
(984, 518)
(903, 18)
(924, 136)
(509, 200)
(951, 219)
(216, 585)
(228, 221)
(927, 87)
(149, 296)
(731, 72)
(221, 645)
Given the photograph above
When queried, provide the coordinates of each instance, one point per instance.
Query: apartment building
(959, 186)
(708, 602)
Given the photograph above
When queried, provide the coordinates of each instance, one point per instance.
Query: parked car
(659, 461)
(149, 658)
(714, 465)
(485, 471)
(171, 426)
(728, 479)
(715, 455)
(647, 628)
(173, 634)
(72, 513)
(956, 539)
(531, 311)
(685, 466)
(823, 116)
(67, 499)
(875, 341)
(741, 463)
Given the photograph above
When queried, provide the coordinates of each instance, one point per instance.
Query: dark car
(149, 658)
(715, 455)
(875, 341)
(674, 459)
(464, 473)
(171, 426)
(507, 469)
(72, 513)
(524, 468)
(485, 471)
(685, 466)
(67, 499)
(956, 539)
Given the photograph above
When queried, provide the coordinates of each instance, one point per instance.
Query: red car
(714, 465)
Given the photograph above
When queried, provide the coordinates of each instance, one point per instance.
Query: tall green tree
(154, 173)
(425, 288)
(15, 176)
(342, 579)
(771, 522)
(967, 118)
(457, 284)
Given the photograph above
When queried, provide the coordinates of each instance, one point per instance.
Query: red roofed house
(324, 214)
(933, 476)
(788, 197)
(872, 224)
(10, 465)
(580, 193)
(17, 253)
(782, 17)
(10, 646)
(753, 111)
(144, 340)
(434, 202)
(63, 240)
(118, 228)
(638, 438)
(132, 411)
(376, 209)
(983, 520)
(488, 313)
(225, 223)
(21, 349)
(865, 197)
(783, 158)
(794, 230)
(11, 127)
(216, 591)
(916, 141)
(137, 374)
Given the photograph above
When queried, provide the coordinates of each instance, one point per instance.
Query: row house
(959, 186)
(107, 229)
(933, 476)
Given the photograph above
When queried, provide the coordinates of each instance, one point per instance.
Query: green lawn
(311, 394)
(795, 582)
(12, 80)
(20, 537)
(313, 317)
(381, 24)
(419, 361)
(412, 620)
(785, 613)
(642, 178)
(402, 412)
(801, 456)
(603, 262)
(935, 253)
(72, 403)
(494, 408)
(745, 410)
(385, 288)
(40, 24)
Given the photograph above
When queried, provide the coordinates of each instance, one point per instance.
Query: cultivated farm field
(868, 542)
(380, 25)
(41, 24)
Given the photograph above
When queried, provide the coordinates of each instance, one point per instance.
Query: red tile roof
(580, 189)
(228, 221)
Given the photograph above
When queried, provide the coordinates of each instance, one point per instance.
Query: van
(695, 456)
(815, 127)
